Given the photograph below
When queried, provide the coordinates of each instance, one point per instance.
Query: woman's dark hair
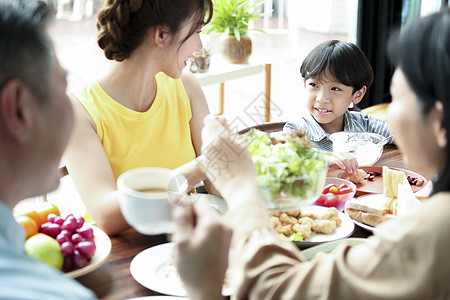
(345, 61)
(26, 51)
(123, 24)
(422, 51)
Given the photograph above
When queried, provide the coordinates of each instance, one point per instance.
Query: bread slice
(375, 206)
(368, 218)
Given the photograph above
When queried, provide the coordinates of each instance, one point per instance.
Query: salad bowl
(290, 172)
(292, 193)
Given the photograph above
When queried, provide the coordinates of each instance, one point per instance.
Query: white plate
(102, 250)
(310, 253)
(362, 225)
(344, 230)
(367, 198)
(154, 269)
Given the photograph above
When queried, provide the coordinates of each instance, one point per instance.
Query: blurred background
(293, 28)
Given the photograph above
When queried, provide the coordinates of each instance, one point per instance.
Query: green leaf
(232, 17)
(237, 34)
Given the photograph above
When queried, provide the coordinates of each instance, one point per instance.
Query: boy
(336, 74)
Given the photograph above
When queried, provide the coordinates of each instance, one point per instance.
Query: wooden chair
(267, 127)
(377, 111)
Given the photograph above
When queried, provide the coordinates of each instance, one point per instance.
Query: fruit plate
(376, 185)
(103, 248)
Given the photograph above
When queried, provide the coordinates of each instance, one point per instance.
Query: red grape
(58, 220)
(80, 261)
(67, 248)
(79, 221)
(61, 238)
(51, 217)
(69, 225)
(87, 248)
(50, 229)
(77, 238)
(68, 263)
(74, 237)
(86, 232)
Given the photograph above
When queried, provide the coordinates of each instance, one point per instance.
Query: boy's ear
(15, 112)
(161, 36)
(358, 95)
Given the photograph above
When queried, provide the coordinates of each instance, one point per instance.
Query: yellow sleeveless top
(159, 137)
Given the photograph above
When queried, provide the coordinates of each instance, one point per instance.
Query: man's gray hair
(26, 51)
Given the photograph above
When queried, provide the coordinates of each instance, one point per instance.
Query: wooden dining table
(113, 279)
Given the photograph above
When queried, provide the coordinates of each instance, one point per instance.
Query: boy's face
(328, 100)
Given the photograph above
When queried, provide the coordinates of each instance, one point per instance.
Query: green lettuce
(285, 163)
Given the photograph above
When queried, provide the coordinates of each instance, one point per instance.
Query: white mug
(147, 196)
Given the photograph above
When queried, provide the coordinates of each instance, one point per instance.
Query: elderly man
(36, 119)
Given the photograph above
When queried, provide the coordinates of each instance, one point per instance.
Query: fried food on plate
(291, 222)
(358, 177)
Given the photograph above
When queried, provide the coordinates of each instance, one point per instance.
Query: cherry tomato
(327, 188)
(345, 190)
(334, 190)
(331, 200)
(344, 185)
(321, 200)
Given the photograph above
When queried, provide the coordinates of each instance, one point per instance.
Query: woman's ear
(439, 130)
(359, 94)
(161, 36)
(15, 112)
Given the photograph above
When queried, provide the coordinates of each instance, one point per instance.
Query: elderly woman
(407, 258)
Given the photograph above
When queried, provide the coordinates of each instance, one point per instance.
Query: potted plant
(231, 18)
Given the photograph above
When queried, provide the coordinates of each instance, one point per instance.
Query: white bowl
(365, 146)
(338, 200)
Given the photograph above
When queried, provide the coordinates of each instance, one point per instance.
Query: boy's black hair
(344, 61)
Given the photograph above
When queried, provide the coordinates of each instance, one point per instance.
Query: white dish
(103, 248)
(362, 225)
(329, 247)
(343, 231)
(154, 269)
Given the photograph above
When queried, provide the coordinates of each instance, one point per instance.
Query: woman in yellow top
(144, 112)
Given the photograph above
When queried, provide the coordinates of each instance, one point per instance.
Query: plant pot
(200, 61)
(236, 52)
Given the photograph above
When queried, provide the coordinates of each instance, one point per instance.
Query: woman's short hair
(123, 24)
(344, 61)
(26, 51)
(421, 51)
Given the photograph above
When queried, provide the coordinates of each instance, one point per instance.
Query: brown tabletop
(113, 279)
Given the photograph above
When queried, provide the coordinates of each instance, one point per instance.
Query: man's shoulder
(24, 278)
